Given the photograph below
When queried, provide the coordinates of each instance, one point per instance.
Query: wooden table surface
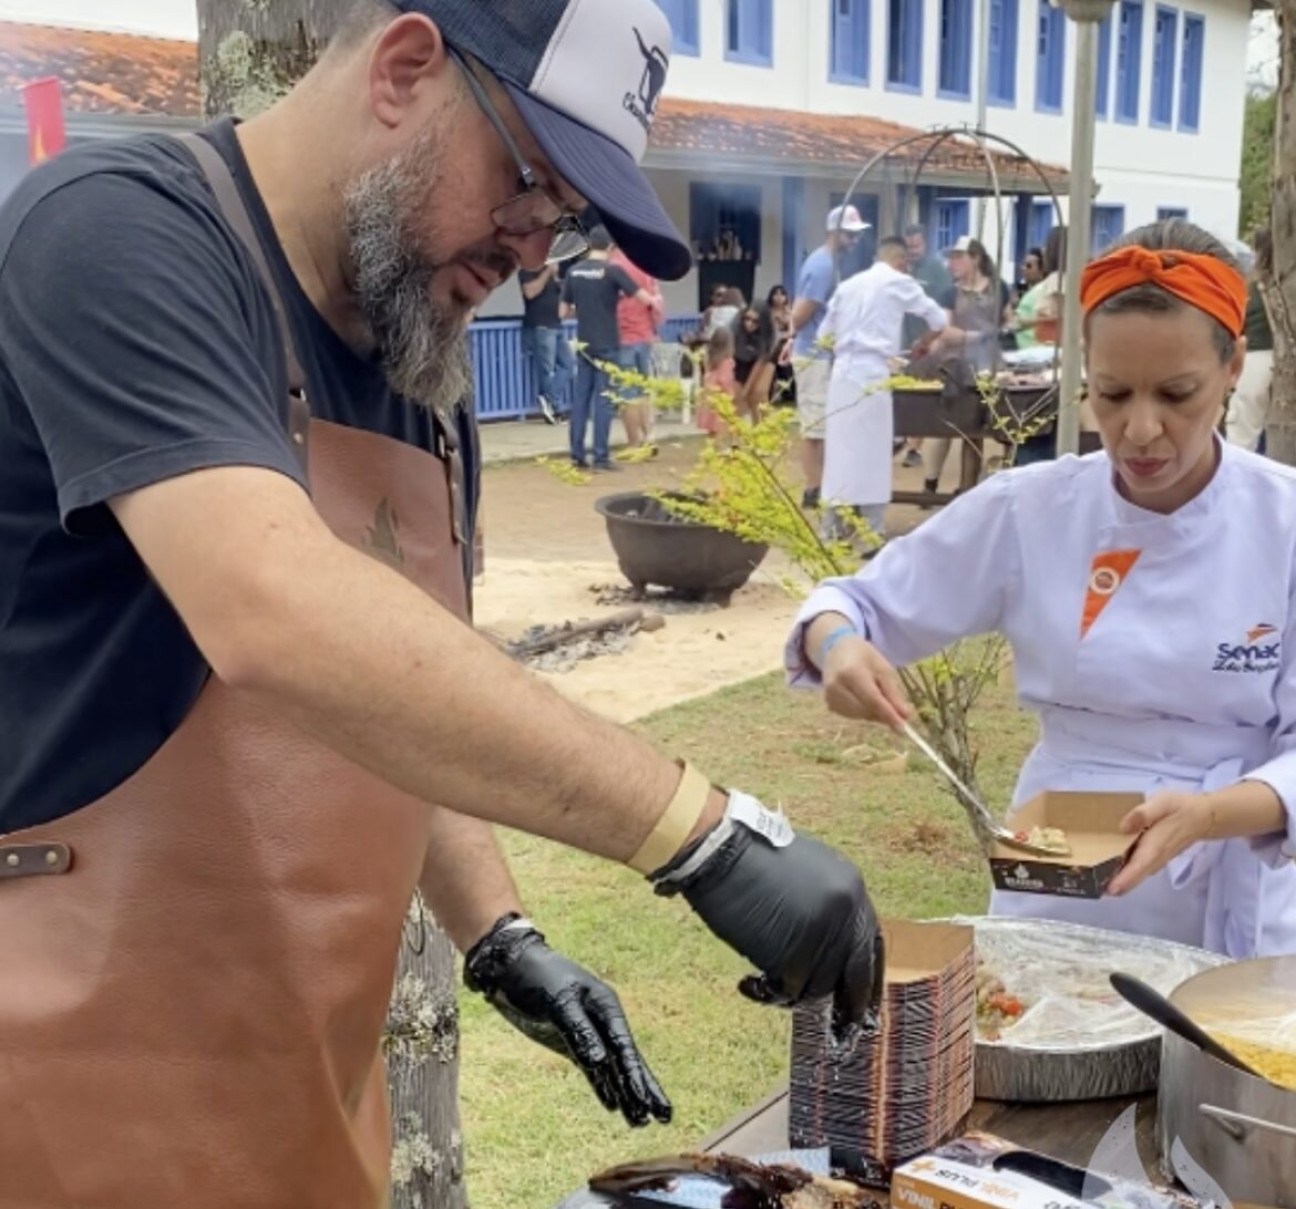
(1070, 1132)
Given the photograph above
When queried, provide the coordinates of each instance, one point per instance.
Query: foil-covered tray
(1076, 1039)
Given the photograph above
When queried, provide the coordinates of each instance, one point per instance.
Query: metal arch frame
(937, 137)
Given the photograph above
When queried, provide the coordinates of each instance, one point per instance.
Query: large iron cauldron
(655, 547)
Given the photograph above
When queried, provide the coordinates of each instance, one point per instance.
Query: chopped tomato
(1009, 1005)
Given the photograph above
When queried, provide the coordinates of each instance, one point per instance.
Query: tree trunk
(251, 52)
(1280, 289)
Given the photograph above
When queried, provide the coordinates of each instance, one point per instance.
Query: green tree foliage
(1256, 182)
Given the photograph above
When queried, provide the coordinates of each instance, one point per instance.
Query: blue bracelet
(840, 633)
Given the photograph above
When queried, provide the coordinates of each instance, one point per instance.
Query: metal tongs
(987, 830)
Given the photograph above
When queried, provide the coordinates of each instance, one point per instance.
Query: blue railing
(505, 377)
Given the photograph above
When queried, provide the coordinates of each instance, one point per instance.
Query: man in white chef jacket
(864, 323)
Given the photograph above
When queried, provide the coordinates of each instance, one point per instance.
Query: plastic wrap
(1061, 972)
(1076, 1039)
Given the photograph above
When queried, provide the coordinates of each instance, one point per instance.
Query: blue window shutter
(944, 226)
(1108, 225)
(1165, 43)
(904, 45)
(683, 17)
(955, 78)
(952, 222)
(962, 219)
(1050, 57)
(1129, 60)
(850, 41)
(750, 34)
(1003, 52)
(1104, 66)
(794, 223)
(1190, 81)
(1041, 223)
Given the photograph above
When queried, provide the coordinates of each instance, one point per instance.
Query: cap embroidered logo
(656, 64)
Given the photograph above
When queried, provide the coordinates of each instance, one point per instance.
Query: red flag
(46, 134)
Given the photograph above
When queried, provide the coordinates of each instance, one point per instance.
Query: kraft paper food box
(1099, 848)
(982, 1171)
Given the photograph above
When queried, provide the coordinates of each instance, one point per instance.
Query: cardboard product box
(982, 1171)
(896, 1095)
(1099, 848)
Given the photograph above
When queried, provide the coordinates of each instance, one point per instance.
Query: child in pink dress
(718, 379)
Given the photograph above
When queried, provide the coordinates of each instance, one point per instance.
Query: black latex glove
(800, 915)
(565, 1008)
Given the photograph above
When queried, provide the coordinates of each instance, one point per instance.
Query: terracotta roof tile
(101, 72)
(833, 140)
(129, 74)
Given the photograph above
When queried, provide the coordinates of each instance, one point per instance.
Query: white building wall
(1138, 166)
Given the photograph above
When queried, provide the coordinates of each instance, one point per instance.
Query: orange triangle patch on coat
(1106, 574)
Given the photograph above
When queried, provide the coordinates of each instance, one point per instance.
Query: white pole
(1078, 228)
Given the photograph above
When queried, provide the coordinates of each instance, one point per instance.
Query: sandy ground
(546, 548)
(694, 654)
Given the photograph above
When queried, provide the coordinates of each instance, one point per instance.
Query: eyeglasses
(533, 209)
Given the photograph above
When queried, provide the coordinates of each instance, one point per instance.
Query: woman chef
(1149, 595)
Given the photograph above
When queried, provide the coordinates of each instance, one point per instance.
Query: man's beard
(423, 343)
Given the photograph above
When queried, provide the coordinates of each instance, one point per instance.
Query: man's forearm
(387, 677)
(465, 882)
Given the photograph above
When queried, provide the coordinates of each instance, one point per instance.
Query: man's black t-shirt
(542, 310)
(137, 343)
(594, 288)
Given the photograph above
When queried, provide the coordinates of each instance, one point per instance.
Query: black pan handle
(1152, 1003)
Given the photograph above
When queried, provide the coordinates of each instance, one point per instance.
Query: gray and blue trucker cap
(586, 76)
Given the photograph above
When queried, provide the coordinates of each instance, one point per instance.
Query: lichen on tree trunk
(251, 52)
(422, 1049)
(1280, 289)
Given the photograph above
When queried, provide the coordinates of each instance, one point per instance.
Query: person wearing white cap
(242, 712)
(815, 286)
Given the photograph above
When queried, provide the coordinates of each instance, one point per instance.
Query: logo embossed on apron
(382, 538)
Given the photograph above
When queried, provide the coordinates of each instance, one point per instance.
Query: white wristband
(742, 810)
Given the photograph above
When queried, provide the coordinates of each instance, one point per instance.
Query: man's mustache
(497, 262)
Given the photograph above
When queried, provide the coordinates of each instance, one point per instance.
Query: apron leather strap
(236, 214)
(33, 860)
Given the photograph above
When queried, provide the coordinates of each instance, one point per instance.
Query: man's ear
(407, 59)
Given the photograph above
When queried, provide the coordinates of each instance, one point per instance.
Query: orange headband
(1201, 281)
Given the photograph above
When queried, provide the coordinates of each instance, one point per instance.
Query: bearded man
(236, 517)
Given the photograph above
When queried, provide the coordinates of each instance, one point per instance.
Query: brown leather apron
(195, 970)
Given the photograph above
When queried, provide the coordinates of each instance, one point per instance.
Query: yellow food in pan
(1276, 1065)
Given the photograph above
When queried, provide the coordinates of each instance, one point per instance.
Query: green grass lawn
(533, 1129)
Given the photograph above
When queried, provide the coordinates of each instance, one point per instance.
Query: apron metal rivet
(298, 438)
(51, 857)
(12, 860)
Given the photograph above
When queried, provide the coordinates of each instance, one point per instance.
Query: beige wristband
(676, 823)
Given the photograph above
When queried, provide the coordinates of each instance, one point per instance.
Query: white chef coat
(865, 319)
(1184, 680)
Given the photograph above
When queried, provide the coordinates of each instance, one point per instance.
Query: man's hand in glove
(564, 1007)
(795, 908)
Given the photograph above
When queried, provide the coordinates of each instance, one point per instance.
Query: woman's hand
(1166, 824)
(860, 683)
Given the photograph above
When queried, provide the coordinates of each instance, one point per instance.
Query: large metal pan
(1239, 1130)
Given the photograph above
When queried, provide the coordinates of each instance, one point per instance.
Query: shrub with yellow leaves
(742, 484)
